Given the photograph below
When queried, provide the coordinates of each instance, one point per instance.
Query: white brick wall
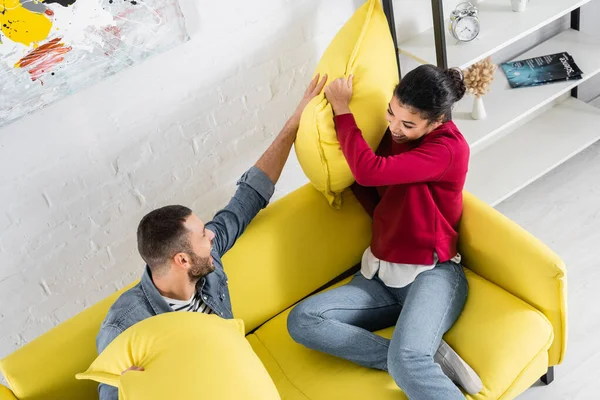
(180, 128)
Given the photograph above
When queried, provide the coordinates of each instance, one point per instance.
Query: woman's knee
(302, 321)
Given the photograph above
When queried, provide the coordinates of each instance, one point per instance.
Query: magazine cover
(536, 71)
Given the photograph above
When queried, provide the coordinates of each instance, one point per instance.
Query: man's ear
(181, 260)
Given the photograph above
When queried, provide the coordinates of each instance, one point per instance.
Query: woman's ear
(436, 123)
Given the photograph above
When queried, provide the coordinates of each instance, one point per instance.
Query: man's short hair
(161, 234)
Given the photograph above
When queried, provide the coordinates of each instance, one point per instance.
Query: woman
(410, 275)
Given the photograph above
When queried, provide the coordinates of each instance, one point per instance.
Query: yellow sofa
(512, 329)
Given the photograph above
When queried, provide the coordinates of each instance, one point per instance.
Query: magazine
(536, 71)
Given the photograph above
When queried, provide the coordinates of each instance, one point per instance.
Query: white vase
(519, 5)
(478, 109)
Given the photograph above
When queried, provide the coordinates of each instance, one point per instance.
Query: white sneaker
(457, 369)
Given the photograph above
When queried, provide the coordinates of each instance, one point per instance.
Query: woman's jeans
(340, 322)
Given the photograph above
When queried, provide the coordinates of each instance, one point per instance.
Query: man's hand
(339, 94)
(314, 88)
(132, 369)
(273, 160)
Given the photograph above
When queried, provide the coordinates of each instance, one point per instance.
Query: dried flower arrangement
(478, 79)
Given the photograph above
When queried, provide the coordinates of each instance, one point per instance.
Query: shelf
(506, 106)
(532, 150)
(500, 27)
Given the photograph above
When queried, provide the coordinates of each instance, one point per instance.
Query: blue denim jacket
(143, 300)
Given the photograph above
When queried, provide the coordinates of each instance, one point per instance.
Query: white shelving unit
(508, 106)
(528, 131)
(500, 27)
(518, 159)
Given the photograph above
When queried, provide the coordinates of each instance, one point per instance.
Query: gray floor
(563, 210)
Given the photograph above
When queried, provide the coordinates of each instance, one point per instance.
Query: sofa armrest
(502, 252)
(6, 393)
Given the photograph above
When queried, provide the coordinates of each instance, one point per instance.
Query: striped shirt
(195, 304)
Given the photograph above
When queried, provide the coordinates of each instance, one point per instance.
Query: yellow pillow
(185, 356)
(364, 48)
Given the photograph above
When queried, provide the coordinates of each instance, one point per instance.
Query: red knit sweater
(417, 204)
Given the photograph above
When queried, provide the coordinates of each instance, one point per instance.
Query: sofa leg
(549, 377)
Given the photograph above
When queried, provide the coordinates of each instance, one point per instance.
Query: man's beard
(201, 266)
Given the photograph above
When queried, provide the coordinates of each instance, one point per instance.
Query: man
(184, 271)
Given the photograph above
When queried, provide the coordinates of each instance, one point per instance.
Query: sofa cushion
(363, 47)
(504, 339)
(184, 356)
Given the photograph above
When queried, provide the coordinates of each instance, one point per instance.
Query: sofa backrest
(293, 247)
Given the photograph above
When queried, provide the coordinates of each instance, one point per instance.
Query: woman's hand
(314, 88)
(339, 94)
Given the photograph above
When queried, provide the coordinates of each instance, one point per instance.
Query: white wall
(77, 176)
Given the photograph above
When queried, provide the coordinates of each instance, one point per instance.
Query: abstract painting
(52, 48)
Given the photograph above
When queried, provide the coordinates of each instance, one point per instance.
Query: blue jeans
(340, 322)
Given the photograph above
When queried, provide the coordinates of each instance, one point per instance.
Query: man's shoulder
(130, 308)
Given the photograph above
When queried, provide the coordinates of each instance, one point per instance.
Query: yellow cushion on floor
(498, 335)
(364, 48)
(184, 356)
